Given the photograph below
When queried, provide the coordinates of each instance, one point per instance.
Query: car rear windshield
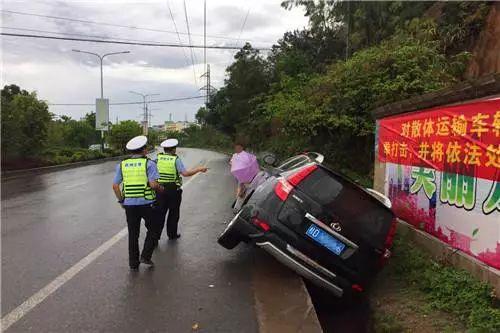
(349, 204)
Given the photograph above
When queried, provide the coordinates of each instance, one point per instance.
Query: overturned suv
(318, 223)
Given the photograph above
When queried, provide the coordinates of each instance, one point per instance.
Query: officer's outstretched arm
(192, 172)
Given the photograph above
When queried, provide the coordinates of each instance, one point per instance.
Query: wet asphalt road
(51, 221)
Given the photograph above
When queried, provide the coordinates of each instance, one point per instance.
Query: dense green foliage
(55, 156)
(202, 136)
(32, 136)
(25, 123)
(67, 132)
(122, 132)
(446, 288)
(307, 96)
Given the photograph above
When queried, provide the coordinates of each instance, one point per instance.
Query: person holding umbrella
(244, 167)
(171, 168)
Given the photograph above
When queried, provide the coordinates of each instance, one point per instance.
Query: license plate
(322, 237)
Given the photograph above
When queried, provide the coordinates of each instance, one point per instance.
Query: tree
(154, 137)
(80, 134)
(67, 132)
(25, 121)
(90, 120)
(202, 115)
(366, 22)
(248, 77)
(122, 132)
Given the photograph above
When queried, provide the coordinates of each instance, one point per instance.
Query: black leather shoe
(134, 268)
(174, 237)
(147, 262)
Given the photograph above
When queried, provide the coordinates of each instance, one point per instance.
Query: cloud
(60, 75)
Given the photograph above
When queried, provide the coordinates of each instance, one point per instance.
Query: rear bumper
(294, 259)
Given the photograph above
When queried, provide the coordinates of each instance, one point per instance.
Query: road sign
(102, 114)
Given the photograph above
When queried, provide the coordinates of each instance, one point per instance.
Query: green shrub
(54, 156)
(447, 288)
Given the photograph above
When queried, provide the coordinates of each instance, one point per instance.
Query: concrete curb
(17, 173)
(281, 299)
(454, 257)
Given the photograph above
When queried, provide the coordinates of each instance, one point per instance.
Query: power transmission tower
(209, 89)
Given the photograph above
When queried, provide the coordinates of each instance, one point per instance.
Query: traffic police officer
(139, 176)
(171, 168)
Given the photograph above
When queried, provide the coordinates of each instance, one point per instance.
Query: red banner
(462, 139)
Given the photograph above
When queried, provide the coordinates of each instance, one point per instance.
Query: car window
(344, 201)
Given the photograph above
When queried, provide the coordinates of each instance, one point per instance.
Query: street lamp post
(101, 58)
(145, 108)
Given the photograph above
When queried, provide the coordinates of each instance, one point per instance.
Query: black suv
(320, 224)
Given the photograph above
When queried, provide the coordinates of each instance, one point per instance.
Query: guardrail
(21, 172)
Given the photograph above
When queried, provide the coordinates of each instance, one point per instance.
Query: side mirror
(269, 159)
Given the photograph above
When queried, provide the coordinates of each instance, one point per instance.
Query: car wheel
(229, 238)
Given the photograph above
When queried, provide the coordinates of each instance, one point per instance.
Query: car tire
(230, 238)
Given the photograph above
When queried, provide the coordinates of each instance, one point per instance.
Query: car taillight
(300, 175)
(285, 186)
(261, 224)
(357, 287)
(283, 189)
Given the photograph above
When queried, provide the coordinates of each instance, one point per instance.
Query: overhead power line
(109, 24)
(190, 43)
(76, 34)
(217, 47)
(130, 103)
(243, 25)
(177, 32)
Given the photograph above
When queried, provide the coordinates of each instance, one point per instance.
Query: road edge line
(29, 304)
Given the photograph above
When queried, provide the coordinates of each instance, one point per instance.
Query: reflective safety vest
(168, 170)
(135, 179)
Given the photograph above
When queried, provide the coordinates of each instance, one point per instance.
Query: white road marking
(28, 305)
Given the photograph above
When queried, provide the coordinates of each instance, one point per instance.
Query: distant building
(160, 128)
(171, 126)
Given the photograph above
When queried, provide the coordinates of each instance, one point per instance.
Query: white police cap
(170, 143)
(137, 142)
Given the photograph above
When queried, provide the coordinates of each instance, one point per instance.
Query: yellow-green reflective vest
(135, 179)
(168, 170)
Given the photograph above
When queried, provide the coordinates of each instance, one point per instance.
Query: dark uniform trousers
(134, 216)
(169, 201)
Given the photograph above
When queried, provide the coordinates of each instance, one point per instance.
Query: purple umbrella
(244, 167)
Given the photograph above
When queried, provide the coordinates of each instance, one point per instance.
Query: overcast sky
(62, 76)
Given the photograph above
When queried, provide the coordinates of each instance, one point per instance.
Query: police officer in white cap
(171, 168)
(139, 178)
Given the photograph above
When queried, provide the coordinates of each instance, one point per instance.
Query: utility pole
(205, 33)
(101, 58)
(348, 30)
(145, 121)
(206, 75)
